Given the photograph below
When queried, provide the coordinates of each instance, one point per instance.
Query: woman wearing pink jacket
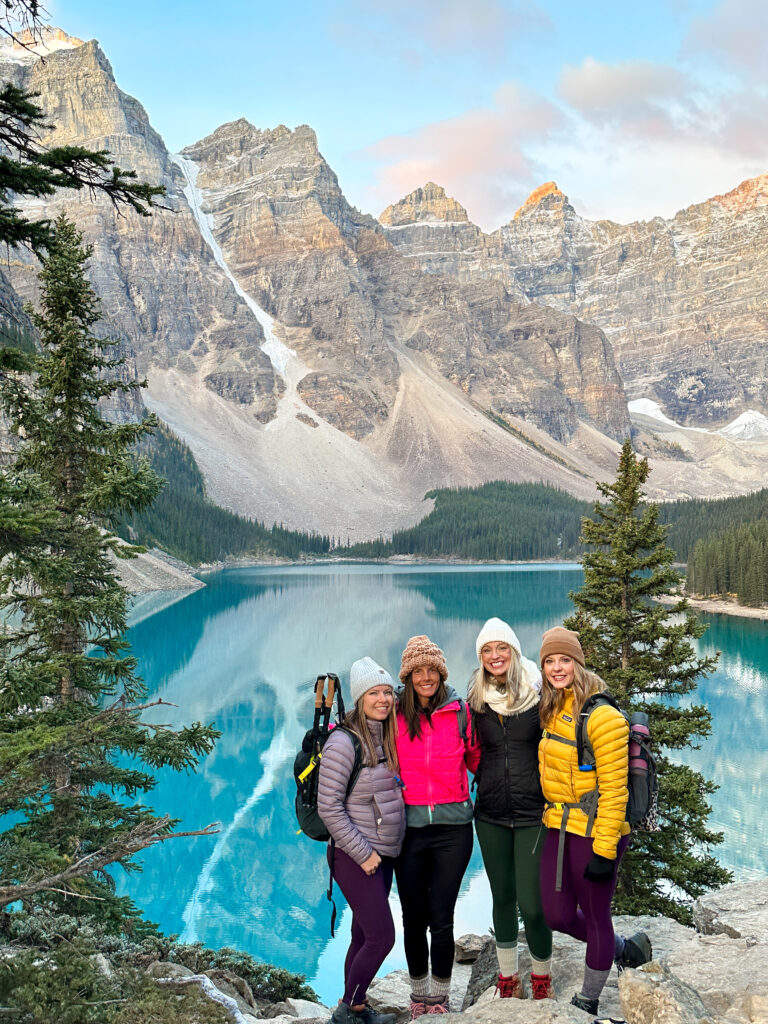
(434, 749)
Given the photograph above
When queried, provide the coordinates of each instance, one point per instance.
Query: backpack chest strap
(547, 735)
(588, 805)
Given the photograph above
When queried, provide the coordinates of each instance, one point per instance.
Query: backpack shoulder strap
(358, 763)
(462, 717)
(584, 751)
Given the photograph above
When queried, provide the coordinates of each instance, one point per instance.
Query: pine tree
(644, 651)
(74, 751)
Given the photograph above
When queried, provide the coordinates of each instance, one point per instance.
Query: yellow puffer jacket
(562, 782)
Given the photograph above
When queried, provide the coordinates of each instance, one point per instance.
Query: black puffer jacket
(508, 787)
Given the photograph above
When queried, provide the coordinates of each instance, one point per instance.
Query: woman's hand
(599, 869)
(369, 866)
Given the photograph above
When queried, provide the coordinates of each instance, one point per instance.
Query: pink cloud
(479, 156)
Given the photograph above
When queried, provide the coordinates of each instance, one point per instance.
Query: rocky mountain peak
(548, 194)
(29, 46)
(425, 205)
(749, 195)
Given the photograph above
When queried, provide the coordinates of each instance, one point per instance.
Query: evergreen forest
(187, 524)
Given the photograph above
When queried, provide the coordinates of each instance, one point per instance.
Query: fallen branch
(141, 837)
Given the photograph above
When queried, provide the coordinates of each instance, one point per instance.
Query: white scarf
(530, 686)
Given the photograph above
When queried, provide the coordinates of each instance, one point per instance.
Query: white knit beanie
(364, 675)
(495, 630)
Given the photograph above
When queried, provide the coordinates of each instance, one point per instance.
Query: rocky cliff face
(327, 368)
(334, 276)
(681, 300)
(162, 291)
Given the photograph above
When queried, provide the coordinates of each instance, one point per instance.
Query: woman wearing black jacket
(504, 698)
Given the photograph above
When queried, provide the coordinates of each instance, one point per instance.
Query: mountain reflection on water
(244, 651)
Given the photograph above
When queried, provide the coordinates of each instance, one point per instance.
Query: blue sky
(634, 110)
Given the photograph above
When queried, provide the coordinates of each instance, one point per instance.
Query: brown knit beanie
(561, 641)
(421, 651)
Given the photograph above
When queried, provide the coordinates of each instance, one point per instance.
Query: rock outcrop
(714, 974)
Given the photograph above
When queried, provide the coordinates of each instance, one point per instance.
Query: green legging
(511, 857)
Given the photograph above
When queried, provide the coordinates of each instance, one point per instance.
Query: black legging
(429, 871)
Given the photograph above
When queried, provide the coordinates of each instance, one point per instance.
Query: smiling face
(559, 670)
(378, 702)
(496, 657)
(425, 681)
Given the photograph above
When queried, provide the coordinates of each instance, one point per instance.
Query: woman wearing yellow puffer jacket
(582, 850)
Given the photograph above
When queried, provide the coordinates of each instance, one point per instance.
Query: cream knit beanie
(498, 631)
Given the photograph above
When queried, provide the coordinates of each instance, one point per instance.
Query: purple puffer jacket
(373, 817)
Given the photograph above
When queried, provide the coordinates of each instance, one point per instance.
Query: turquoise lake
(243, 653)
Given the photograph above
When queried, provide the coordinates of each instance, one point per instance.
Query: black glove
(599, 869)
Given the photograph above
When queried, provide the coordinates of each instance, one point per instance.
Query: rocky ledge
(715, 973)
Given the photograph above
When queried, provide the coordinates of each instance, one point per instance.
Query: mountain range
(328, 368)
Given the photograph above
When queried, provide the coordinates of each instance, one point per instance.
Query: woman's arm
(609, 735)
(336, 766)
(471, 744)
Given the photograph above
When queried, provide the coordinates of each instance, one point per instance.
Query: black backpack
(307, 762)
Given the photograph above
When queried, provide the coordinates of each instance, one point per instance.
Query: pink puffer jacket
(434, 766)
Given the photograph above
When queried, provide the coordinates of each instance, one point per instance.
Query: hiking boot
(417, 1007)
(370, 1016)
(344, 1014)
(510, 987)
(588, 1005)
(637, 951)
(541, 986)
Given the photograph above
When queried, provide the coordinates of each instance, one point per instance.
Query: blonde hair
(585, 683)
(358, 723)
(481, 680)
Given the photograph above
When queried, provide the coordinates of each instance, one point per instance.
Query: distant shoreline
(720, 606)
(263, 563)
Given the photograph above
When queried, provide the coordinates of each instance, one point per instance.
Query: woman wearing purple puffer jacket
(367, 827)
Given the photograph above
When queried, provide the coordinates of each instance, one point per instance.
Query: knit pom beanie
(561, 641)
(421, 651)
(498, 631)
(364, 675)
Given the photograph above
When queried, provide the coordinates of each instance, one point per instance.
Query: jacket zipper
(506, 767)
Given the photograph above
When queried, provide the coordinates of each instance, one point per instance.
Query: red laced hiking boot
(541, 986)
(510, 987)
(417, 1007)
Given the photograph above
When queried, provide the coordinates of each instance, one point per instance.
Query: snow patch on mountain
(279, 354)
(747, 427)
(646, 407)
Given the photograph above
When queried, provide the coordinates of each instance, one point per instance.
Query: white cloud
(735, 33)
(419, 29)
(479, 157)
(635, 88)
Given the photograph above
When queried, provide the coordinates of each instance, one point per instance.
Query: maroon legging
(583, 908)
(373, 930)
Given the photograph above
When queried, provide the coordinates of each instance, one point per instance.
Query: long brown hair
(413, 712)
(585, 683)
(358, 723)
(481, 680)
